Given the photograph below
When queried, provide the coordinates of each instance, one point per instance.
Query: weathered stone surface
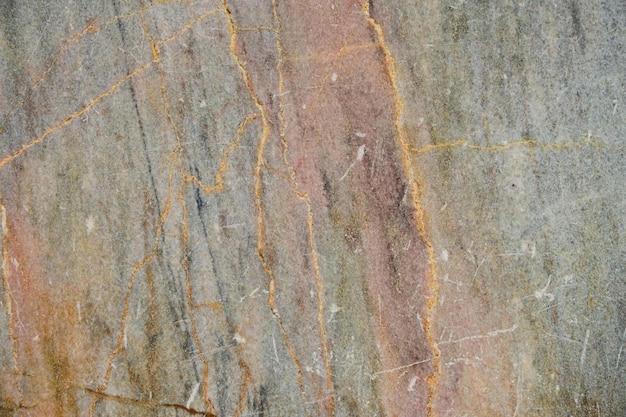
(312, 208)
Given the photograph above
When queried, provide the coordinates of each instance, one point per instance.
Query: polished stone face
(312, 208)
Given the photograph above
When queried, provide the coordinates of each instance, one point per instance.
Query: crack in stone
(151, 404)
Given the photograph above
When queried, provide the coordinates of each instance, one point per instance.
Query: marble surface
(312, 208)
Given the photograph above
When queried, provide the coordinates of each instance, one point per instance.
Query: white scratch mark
(251, 295)
(360, 134)
(497, 332)
(550, 306)
(412, 384)
(446, 278)
(90, 223)
(193, 394)
(420, 321)
(333, 77)
(343, 177)
(232, 226)
(562, 338)
(334, 309)
(619, 353)
(359, 157)
(475, 362)
(543, 292)
(275, 350)
(510, 254)
(443, 333)
(477, 268)
(377, 155)
(584, 352)
(492, 333)
(360, 153)
(399, 368)
(406, 191)
(78, 310)
(518, 394)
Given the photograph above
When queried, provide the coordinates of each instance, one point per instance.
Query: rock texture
(312, 208)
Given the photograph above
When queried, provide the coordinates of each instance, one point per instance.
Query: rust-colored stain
(49, 364)
(344, 134)
(332, 161)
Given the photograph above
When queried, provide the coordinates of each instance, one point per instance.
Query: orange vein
(258, 189)
(91, 27)
(153, 44)
(344, 50)
(131, 283)
(433, 284)
(219, 177)
(463, 143)
(310, 221)
(244, 386)
(185, 234)
(188, 26)
(194, 330)
(10, 157)
(156, 56)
